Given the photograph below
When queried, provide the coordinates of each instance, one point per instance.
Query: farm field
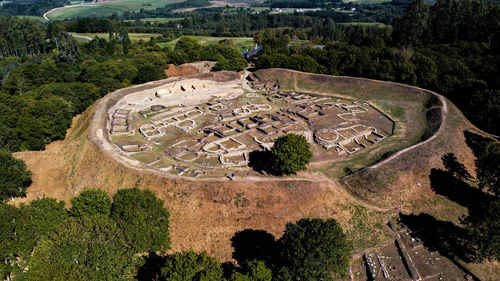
(156, 20)
(243, 43)
(36, 18)
(376, 24)
(133, 36)
(106, 8)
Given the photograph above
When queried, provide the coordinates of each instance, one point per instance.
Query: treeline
(19, 37)
(103, 238)
(430, 47)
(30, 7)
(41, 94)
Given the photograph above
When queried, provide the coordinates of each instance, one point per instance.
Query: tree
(488, 173)
(9, 215)
(91, 202)
(23, 228)
(483, 225)
(314, 249)
(142, 218)
(291, 153)
(189, 265)
(409, 29)
(253, 271)
(14, 177)
(68, 50)
(85, 248)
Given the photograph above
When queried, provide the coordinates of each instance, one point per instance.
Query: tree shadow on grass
(451, 184)
(150, 270)
(442, 236)
(260, 161)
(252, 244)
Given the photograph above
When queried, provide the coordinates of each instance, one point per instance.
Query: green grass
(242, 43)
(157, 20)
(36, 18)
(377, 24)
(133, 36)
(107, 8)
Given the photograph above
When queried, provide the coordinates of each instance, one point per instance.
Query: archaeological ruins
(204, 128)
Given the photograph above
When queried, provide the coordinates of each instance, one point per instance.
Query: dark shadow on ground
(151, 269)
(456, 168)
(442, 236)
(455, 189)
(260, 161)
(252, 244)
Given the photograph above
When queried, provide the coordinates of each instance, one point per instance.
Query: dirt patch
(189, 68)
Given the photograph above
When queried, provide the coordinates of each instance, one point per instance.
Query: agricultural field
(82, 37)
(242, 43)
(36, 18)
(375, 24)
(157, 20)
(103, 9)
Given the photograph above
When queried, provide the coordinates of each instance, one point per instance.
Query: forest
(41, 94)
(451, 47)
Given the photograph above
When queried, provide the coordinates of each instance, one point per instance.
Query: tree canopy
(142, 218)
(290, 153)
(91, 202)
(313, 249)
(85, 248)
(14, 177)
(188, 265)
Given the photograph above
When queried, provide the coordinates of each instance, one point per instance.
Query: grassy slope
(107, 8)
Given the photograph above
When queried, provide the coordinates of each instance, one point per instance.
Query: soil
(189, 69)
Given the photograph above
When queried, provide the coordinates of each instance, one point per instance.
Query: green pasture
(242, 43)
(133, 36)
(157, 20)
(106, 8)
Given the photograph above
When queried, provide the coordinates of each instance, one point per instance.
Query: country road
(83, 37)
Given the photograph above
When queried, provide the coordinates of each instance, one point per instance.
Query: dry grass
(206, 214)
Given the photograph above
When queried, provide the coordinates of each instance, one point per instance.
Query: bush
(291, 153)
(14, 178)
(90, 203)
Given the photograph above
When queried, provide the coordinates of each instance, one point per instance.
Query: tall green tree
(483, 225)
(409, 30)
(142, 218)
(23, 228)
(14, 177)
(313, 249)
(290, 153)
(487, 168)
(253, 271)
(86, 248)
